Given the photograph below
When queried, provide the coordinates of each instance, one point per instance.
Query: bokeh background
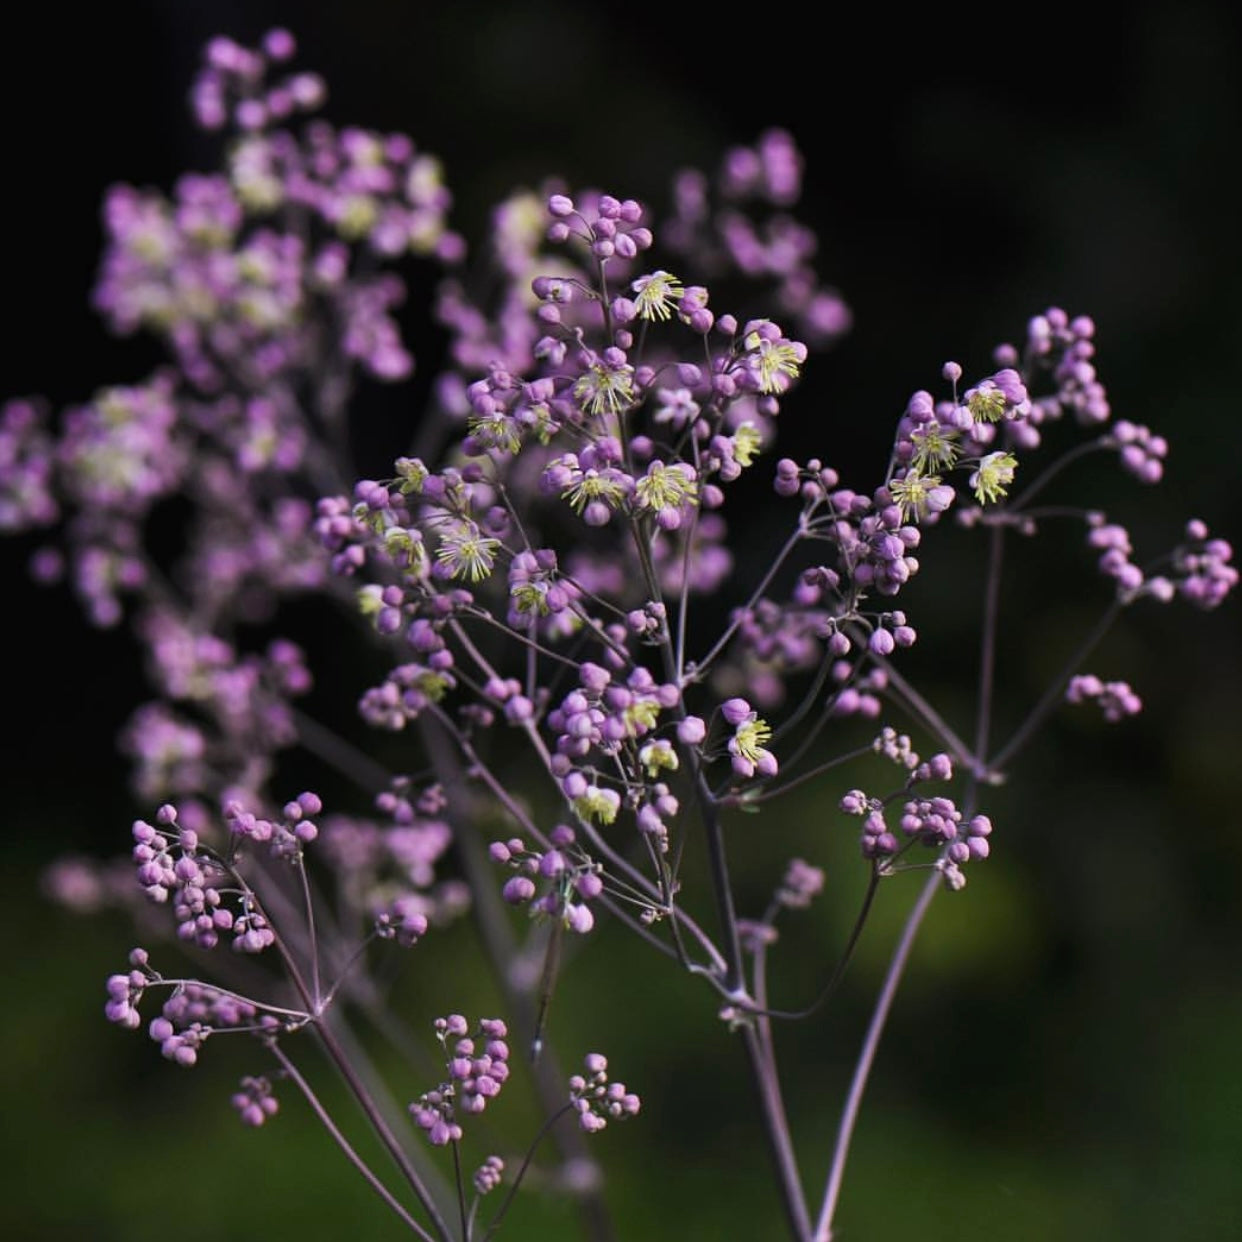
(1062, 1061)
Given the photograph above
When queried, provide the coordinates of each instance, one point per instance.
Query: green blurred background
(1062, 1061)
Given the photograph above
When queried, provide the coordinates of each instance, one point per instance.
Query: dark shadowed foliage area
(1062, 1060)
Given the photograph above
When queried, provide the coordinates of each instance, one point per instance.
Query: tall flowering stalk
(542, 573)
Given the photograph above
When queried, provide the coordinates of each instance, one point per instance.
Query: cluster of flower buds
(285, 838)
(557, 883)
(174, 869)
(598, 1101)
(478, 1066)
(937, 822)
(1064, 347)
(387, 864)
(744, 233)
(489, 1175)
(1204, 573)
(934, 821)
(403, 920)
(1115, 699)
(801, 884)
(192, 1012)
(125, 992)
(255, 1102)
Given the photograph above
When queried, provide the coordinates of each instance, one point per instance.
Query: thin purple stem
(380, 1125)
(501, 949)
(762, 1060)
(683, 595)
(461, 1191)
(699, 668)
(721, 887)
(787, 1161)
(862, 1070)
(494, 1223)
(759, 1054)
(339, 754)
(820, 768)
(843, 962)
(308, 908)
(897, 965)
(921, 708)
(343, 1143)
(1051, 471)
(987, 651)
(1053, 695)
(319, 1024)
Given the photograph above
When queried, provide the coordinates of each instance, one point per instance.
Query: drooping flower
(657, 295)
(774, 361)
(749, 756)
(993, 476)
(935, 448)
(918, 495)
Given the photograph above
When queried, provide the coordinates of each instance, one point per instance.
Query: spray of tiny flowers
(537, 573)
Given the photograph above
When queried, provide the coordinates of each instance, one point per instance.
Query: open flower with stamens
(667, 491)
(465, 552)
(919, 495)
(657, 295)
(1000, 396)
(749, 757)
(747, 443)
(993, 476)
(595, 494)
(772, 361)
(598, 804)
(935, 447)
(606, 385)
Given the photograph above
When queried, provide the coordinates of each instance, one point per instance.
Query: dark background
(1063, 1059)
